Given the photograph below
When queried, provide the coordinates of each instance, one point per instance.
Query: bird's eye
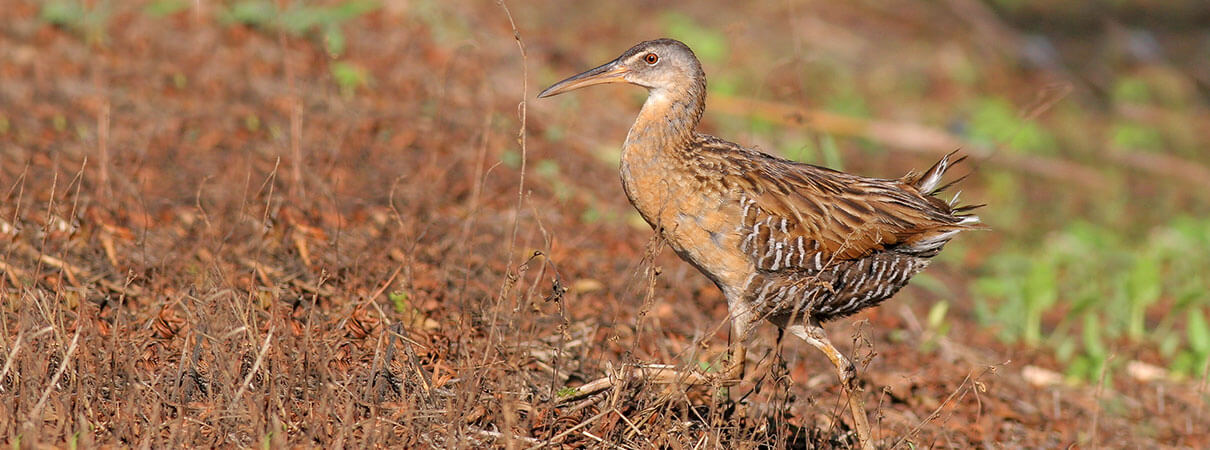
(651, 58)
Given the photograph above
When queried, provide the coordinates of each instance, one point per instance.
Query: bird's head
(659, 65)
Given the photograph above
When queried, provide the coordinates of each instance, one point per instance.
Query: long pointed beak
(610, 72)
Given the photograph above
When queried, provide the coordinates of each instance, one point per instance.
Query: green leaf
(1136, 136)
(547, 168)
(351, 9)
(349, 77)
(162, 8)
(1080, 368)
(1184, 363)
(511, 159)
(1039, 292)
(400, 300)
(334, 40)
(1142, 288)
(1065, 350)
(995, 121)
(936, 317)
(1092, 336)
(251, 12)
(62, 12)
(299, 20)
(1131, 90)
(590, 215)
(848, 101)
(1198, 331)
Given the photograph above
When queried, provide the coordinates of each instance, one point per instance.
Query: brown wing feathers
(792, 206)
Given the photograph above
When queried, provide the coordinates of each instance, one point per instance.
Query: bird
(790, 243)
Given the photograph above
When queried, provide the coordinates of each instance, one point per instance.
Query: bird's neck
(659, 142)
(667, 121)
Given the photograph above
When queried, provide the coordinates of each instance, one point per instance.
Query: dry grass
(207, 241)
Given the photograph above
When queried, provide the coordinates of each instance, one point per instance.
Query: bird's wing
(802, 216)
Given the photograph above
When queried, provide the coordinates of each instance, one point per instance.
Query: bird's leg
(813, 333)
(741, 320)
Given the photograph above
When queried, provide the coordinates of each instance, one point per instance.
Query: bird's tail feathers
(930, 182)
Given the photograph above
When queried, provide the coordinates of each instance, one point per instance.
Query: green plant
(350, 77)
(161, 8)
(1132, 135)
(1090, 364)
(549, 170)
(1039, 292)
(1142, 289)
(995, 121)
(848, 101)
(1193, 360)
(400, 300)
(1131, 90)
(324, 21)
(89, 22)
(1101, 286)
(937, 325)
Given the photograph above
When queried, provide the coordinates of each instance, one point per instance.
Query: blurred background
(172, 170)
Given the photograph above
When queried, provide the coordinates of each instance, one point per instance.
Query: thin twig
(12, 354)
(499, 435)
(264, 349)
(50, 387)
(937, 411)
(1201, 391)
(521, 108)
(1096, 412)
(103, 147)
(510, 278)
(573, 429)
